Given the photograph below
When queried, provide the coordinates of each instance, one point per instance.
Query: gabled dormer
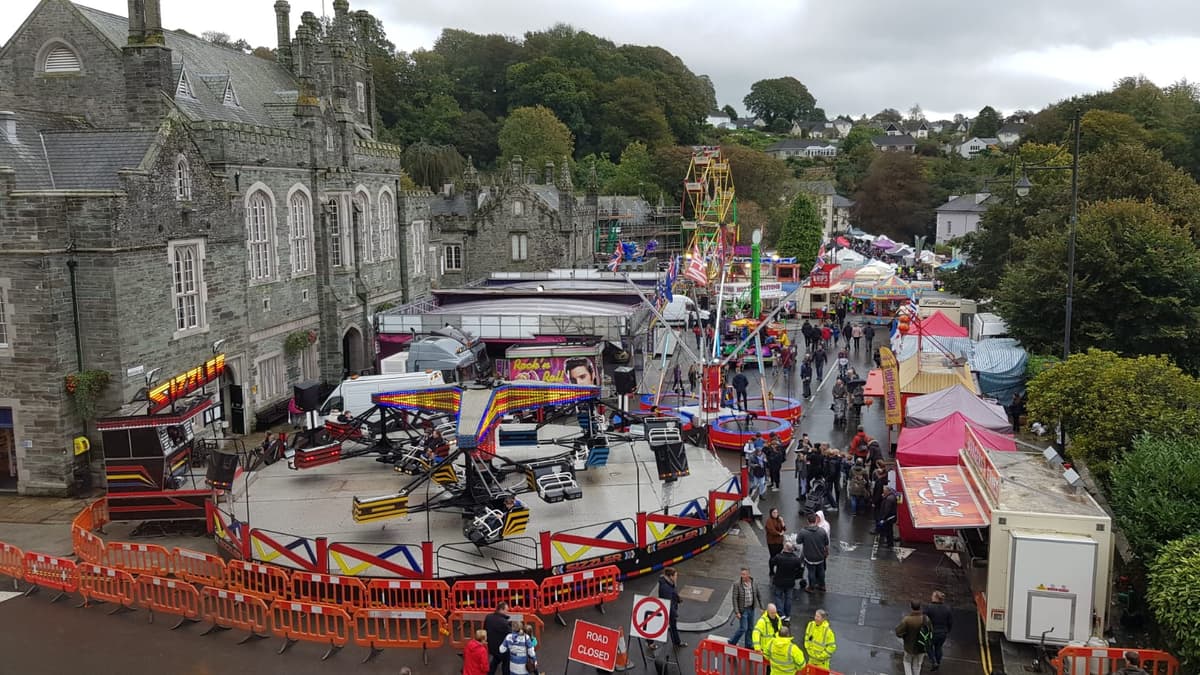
(183, 85)
(230, 97)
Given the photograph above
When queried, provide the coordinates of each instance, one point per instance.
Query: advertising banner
(940, 497)
(890, 370)
(552, 369)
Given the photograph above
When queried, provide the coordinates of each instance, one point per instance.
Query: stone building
(516, 225)
(163, 199)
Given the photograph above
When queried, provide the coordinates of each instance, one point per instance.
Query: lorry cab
(677, 311)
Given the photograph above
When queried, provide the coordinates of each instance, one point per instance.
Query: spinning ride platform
(622, 511)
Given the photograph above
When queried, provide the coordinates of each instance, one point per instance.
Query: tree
(431, 166)
(1155, 492)
(1100, 127)
(915, 114)
(757, 176)
(887, 116)
(780, 98)
(802, 231)
(1136, 172)
(1105, 401)
(629, 113)
(635, 174)
(728, 110)
(1174, 596)
(893, 199)
(987, 123)
(475, 137)
(536, 135)
(1137, 286)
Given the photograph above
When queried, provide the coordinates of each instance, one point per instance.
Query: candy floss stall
(1037, 548)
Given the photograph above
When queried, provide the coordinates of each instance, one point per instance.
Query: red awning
(941, 497)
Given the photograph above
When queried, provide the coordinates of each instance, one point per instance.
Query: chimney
(341, 8)
(549, 172)
(517, 174)
(8, 125)
(283, 33)
(137, 22)
(147, 65)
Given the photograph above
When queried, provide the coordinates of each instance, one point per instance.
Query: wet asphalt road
(868, 594)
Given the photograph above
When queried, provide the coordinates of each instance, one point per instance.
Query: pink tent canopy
(940, 325)
(938, 443)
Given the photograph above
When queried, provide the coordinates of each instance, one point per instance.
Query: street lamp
(1022, 188)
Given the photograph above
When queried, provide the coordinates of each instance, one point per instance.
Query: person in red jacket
(475, 656)
(858, 445)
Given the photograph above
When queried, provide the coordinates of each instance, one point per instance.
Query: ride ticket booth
(1037, 548)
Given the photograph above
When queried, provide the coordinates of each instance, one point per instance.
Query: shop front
(1037, 549)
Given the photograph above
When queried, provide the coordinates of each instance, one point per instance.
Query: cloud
(855, 56)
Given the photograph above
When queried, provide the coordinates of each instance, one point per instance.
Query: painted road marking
(8, 595)
(862, 613)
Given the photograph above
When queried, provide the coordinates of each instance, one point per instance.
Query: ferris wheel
(710, 208)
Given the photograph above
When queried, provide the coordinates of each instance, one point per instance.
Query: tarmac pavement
(869, 590)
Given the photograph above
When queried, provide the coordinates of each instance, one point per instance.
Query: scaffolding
(633, 219)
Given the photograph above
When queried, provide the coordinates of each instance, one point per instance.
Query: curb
(715, 621)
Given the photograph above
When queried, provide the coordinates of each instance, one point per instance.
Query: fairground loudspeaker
(222, 467)
(626, 380)
(665, 438)
(307, 395)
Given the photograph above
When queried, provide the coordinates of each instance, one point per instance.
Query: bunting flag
(614, 261)
(695, 268)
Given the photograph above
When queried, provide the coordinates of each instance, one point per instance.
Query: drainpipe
(71, 265)
(402, 232)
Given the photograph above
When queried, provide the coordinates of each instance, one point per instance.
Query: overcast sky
(855, 56)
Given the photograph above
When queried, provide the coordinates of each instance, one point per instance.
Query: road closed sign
(594, 645)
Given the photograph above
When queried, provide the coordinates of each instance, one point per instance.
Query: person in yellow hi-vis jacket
(766, 629)
(785, 656)
(819, 640)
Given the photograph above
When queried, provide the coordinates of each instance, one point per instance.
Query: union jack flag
(820, 261)
(695, 268)
(614, 261)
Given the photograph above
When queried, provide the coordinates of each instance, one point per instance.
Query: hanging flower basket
(296, 342)
(85, 389)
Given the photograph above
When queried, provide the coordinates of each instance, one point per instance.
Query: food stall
(1037, 548)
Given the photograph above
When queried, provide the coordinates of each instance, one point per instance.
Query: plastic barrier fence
(265, 580)
(810, 669)
(139, 558)
(198, 568)
(462, 625)
(106, 584)
(399, 594)
(717, 657)
(1079, 660)
(379, 629)
(520, 594)
(12, 562)
(310, 622)
(580, 589)
(346, 592)
(228, 610)
(47, 571)
(169, 596)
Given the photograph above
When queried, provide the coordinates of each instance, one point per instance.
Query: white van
(677, 311)
(354, 394)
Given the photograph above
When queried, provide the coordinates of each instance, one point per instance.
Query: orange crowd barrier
(148, 559)
(717, 657)
(12, 562)
(327, 589)
(106, 584)
(1104, 660)
(810, 669)
(265, 580)
(462, 625)
(169, 596)
(227, 610)
(87, 545)
(310, 622)
(198, 568)
(47, 571)
(379, 629)
(579, 589)
(408, 594)
(520, 594)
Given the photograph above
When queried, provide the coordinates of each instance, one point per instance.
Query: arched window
(183, 180)
(260, 222)
(387, 226)
(362, 228)
(300, 227)
(61, 59)
(334, 222)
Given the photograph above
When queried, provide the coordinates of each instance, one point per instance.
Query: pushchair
(817, 496)
(857, 399)
(839, 412)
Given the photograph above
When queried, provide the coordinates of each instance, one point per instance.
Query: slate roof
(840, 202)
(257, 82)
(455, 205)
(966, 204)
(546, 193)
(817, 187)
(1012, 128)
(796, 144)
(73, 157)
(631, 209)
(902, 139)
